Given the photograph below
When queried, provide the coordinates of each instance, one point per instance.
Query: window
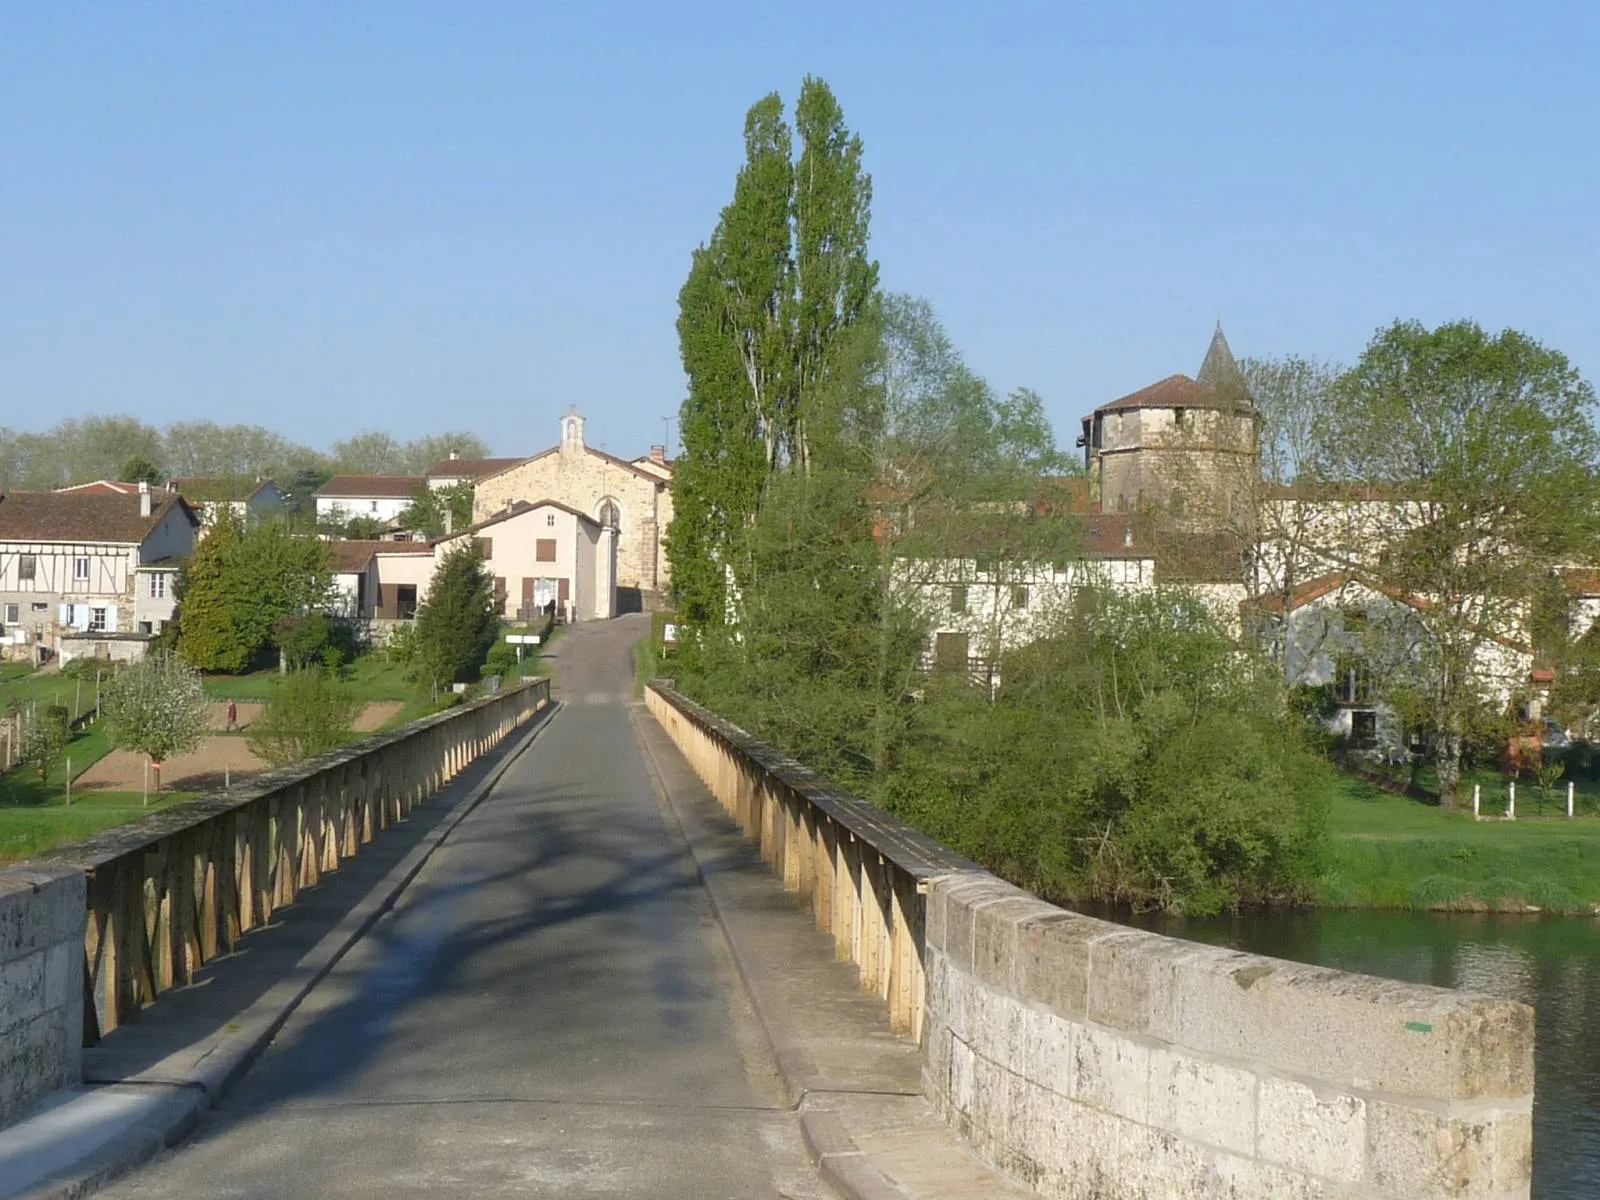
(1354, 618)
(13, 615)
(950, 651)
(1178, 415)
(80, 570)
(1019, 597)
(27, 567)
(372, 506)
(544, 550)
(39, 606)
(958, 598)
(1364, 728)
(550, 519)
(610, 513)
(97, 620)
(405, 601)
(158, 586)
(1352, 684)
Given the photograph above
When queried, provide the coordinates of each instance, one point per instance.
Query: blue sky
(333, 217)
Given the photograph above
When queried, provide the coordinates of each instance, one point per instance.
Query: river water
(1552, 963)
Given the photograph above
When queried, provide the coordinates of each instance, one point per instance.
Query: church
(630, 497)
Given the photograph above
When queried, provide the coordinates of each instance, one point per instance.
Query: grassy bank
(29, 829)
(1388, 851)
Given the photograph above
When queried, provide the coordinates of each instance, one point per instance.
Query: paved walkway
(550, 1009)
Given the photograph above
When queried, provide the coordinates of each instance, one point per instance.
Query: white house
(1334, 630)
(544, 553)
(381, 497)
(244, 498)
(89, 572)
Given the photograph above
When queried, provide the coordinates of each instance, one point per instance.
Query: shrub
(157, 707)
(311, 712)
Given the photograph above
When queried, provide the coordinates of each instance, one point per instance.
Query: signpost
(519, 640)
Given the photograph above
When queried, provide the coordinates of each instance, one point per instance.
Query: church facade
(631, 497)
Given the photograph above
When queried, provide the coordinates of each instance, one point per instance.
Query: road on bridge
(549, 1009)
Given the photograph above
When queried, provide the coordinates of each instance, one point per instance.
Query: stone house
(90, 572)
(631, 497)
(379, 580)
(546, 553)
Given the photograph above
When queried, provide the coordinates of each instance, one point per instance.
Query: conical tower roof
(1221, 372)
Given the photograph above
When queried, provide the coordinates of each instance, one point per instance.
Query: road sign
(523, 639)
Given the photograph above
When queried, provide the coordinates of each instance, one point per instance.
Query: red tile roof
(470, 468)
(1175, 391)
(363, 487)
(85, 516)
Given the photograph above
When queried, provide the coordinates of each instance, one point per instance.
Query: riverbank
(1395, 852)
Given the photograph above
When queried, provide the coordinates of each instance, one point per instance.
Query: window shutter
(80, 616)
(111, 618)
(66, 615)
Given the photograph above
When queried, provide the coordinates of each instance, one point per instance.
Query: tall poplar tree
(765, 329)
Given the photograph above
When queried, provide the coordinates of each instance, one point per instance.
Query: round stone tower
(1184, 448)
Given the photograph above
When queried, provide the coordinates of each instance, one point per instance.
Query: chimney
(146, 501)
(658, 454)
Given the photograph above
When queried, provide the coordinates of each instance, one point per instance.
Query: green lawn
(371, 677)
(1391, 851)
(23, 685)
(28, 829)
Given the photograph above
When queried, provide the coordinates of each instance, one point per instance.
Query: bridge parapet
(167, 894)
(1090, 1060)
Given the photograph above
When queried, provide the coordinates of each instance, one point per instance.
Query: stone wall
(1096, 1062)
(41, 985)
(1092, 1060)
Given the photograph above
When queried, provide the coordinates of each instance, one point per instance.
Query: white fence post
(1511, 802)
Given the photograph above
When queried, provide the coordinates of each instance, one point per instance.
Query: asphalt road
(549, 1010)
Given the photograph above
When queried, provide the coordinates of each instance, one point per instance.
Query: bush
(311, 713)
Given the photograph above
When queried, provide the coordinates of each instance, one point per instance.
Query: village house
(448, 472)
(243, 498)
(89, 572)
(380, 497)
(379, 582)
(545, 554)
(631, 497)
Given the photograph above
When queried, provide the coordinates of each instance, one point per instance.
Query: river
(1552, 963)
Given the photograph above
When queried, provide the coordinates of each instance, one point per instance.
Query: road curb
(248, 1035)
(845, 1167)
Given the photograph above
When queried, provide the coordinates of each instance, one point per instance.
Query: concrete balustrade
(167, 894)
(1093, 1061)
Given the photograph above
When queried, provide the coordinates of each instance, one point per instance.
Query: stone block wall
(41, 985)
(1092, 1061)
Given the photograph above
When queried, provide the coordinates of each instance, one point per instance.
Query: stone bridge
(612, 946)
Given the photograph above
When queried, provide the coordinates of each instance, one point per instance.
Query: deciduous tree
(1486, 445)
(156, 707)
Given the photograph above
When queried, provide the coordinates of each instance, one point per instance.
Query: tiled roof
(470, 468)
(106, 517)
(1175, 391)
(517, 510)
(210, 488)
(103, 487)
(370, 487)
(395, 546)
(653, 476)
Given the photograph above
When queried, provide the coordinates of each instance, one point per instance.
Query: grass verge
(1388, 851)
(29, 829)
